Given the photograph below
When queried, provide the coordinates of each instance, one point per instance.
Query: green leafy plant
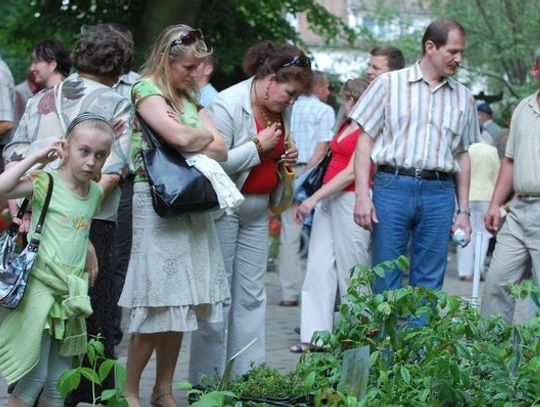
(100, 368)
(455, 358)
(262, 385)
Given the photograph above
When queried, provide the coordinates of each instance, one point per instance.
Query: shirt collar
(532, 102)
(415, 75)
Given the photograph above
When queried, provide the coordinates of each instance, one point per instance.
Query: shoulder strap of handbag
(14, 228)
(148, 131)
(152, 137)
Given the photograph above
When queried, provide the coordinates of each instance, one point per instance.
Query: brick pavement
(280, 325)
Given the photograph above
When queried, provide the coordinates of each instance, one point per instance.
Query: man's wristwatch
(465, 211)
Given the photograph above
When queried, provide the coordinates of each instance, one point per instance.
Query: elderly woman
(254, 118)
(336, 242)
(176, 274)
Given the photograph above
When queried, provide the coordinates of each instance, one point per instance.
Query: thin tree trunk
(155, 15)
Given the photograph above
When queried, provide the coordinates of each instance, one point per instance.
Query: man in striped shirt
(418, 124)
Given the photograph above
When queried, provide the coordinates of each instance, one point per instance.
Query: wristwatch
(465, 211)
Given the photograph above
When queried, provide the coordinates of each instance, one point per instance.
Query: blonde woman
(176, 274)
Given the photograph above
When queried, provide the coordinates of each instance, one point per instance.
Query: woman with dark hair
(176, 276)
(254, 118)
(50, 63)
(336, 243)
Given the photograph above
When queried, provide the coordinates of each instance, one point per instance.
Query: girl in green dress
(39, 338)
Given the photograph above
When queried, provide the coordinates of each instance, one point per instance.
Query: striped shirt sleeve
(471, 130)
(369, 110)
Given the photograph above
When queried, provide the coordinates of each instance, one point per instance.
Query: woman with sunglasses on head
(176, 273)
(254, 118)
(336, 243)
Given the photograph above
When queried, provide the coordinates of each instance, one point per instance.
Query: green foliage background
(502, 34)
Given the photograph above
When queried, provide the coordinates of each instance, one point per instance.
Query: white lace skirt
(176, 275)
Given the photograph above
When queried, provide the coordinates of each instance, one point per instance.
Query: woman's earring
(267, 91)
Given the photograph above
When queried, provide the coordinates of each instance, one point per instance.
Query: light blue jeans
(417, 210)
(44, 376)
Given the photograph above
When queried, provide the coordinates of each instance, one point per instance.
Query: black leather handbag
(175, 186)
(314, 179)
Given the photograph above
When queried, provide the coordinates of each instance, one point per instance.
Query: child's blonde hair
(90, 120)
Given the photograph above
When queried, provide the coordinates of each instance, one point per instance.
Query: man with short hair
(384, 59)
(418, 124)
(7, 106)
(518, 239)
(312, 127)
(490, 129)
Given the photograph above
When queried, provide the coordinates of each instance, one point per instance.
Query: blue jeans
(415, 210)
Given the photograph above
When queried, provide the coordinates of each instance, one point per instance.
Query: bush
(456, 359)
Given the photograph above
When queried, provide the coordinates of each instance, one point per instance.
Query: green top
(188, 116)
(56, 297)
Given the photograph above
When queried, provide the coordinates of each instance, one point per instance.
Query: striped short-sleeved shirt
(416, 125)
(312, 122)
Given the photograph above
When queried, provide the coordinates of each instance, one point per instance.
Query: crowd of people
(411, 159)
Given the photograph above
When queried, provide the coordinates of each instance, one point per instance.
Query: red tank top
(263, 178)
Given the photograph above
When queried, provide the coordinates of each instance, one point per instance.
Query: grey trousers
(244, 243)
(518, 242)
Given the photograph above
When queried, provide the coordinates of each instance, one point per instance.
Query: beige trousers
(518, 242)
(336, 244)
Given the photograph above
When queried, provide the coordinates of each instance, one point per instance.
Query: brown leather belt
(416, 173)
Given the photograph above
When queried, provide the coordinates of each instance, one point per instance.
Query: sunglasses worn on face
(298, 60)
(188, 37)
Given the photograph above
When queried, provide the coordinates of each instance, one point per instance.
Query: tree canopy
(230, 26)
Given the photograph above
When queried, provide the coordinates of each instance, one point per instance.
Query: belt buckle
(417, 172)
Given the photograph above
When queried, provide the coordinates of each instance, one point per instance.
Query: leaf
(405, 374)
(384, 308)
(184, 385)
(69, 381)
(379, 271)
(119, 376)
(90, 374)
(534, 297)
(100, 348)
(425, 394)
(108, 394)
(373, 358)
(309, 381)
(402, 262)
(105, 368)
(91, 355)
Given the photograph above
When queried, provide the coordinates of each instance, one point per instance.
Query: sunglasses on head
(298, 60)
(188, 37)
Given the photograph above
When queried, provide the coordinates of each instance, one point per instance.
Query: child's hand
(50, 153)
(91, 265)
